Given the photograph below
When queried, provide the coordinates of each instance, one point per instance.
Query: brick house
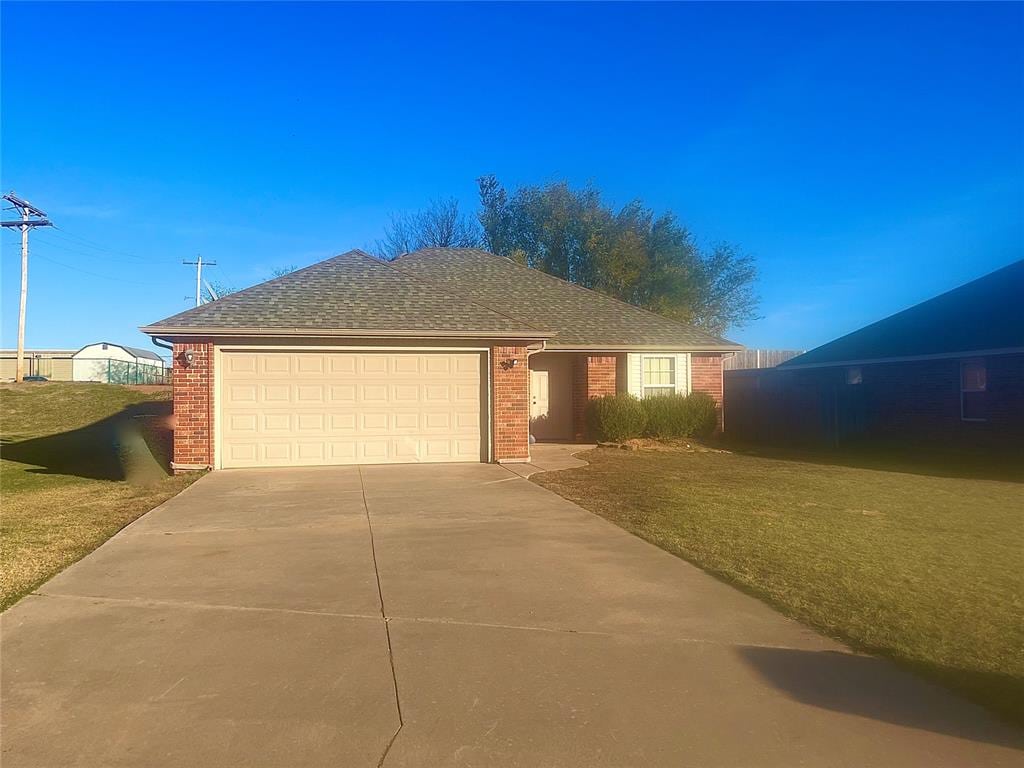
(441, 355)
(948, 369)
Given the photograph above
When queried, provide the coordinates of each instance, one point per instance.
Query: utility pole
(31, 217)
(198, 264)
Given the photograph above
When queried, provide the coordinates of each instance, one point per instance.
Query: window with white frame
(973, 385)
(659, 375)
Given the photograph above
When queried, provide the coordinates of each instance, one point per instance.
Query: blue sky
(869, 156)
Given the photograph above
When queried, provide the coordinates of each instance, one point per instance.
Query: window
(104, 346)
(973, 385)
(854, 375)
(659, 375)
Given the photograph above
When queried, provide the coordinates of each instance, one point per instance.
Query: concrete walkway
(550, 457)
(451, 615)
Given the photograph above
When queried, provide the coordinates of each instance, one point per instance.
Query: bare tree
(440, 225)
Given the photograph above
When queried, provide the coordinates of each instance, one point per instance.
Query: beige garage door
(310, 408)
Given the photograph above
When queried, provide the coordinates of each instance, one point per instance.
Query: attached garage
(283, 408)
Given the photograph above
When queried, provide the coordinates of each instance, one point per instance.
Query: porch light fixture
(188, 357)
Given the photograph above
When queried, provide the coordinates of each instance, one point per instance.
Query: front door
(539, 402)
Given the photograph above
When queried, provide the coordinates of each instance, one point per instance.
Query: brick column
(193, 407)
(510, 402)
(592, 376)
(706, 376)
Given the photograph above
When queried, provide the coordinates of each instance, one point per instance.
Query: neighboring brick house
(441, 355)
(948, 369)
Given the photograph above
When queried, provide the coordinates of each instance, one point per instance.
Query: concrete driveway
(451, 615)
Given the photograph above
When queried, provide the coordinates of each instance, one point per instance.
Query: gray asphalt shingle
(445, 291)
(350, 292)
(579, 317)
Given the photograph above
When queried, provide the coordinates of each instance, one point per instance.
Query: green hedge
(614, 418)
(621, 417)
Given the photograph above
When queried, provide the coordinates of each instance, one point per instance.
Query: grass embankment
(926, 570)
(79, 462)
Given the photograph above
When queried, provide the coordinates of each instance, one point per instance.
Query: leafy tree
(652, 262)
(440, 225)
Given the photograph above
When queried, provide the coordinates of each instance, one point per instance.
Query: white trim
(489, 373)
(689, 374)
(342, 348)
(907, 359)
(218, 367)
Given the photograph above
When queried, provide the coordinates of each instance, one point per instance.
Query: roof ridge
(534, 270)
(287, 276)
(446, 289)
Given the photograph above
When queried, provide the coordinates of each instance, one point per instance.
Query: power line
(66, 235)
(121, 280)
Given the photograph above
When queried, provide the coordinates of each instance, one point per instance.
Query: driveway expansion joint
(387, 629)
(144, 602)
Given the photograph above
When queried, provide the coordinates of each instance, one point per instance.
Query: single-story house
(440, 355)
(112, 363)
(948, 369)
(54, 364)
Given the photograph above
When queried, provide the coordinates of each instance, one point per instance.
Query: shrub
(702, 414)
(666, 416)
(675, 415)
(615, 418)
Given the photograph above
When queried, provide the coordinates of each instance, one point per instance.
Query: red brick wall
(593, 376)
(193, 406)
(706, 376)
(510, 401)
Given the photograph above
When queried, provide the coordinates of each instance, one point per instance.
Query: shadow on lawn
(133, 445)
(942, 460)
(875, 688)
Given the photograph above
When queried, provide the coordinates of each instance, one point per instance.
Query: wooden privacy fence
(758, 358)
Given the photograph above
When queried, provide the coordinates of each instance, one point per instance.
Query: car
(35, 378)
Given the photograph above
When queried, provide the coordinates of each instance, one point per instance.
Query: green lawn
(79, 462)
(926, 570)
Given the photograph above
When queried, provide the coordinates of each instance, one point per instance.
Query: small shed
(111, 363)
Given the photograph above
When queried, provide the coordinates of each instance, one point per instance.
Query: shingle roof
(145, 353)
(986, 314)
(350, 294)
(581, 318)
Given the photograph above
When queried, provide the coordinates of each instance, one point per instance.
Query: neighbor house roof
(986, 315)
(579, 317)
(133, 351)
(353, 294)
(140, 352)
